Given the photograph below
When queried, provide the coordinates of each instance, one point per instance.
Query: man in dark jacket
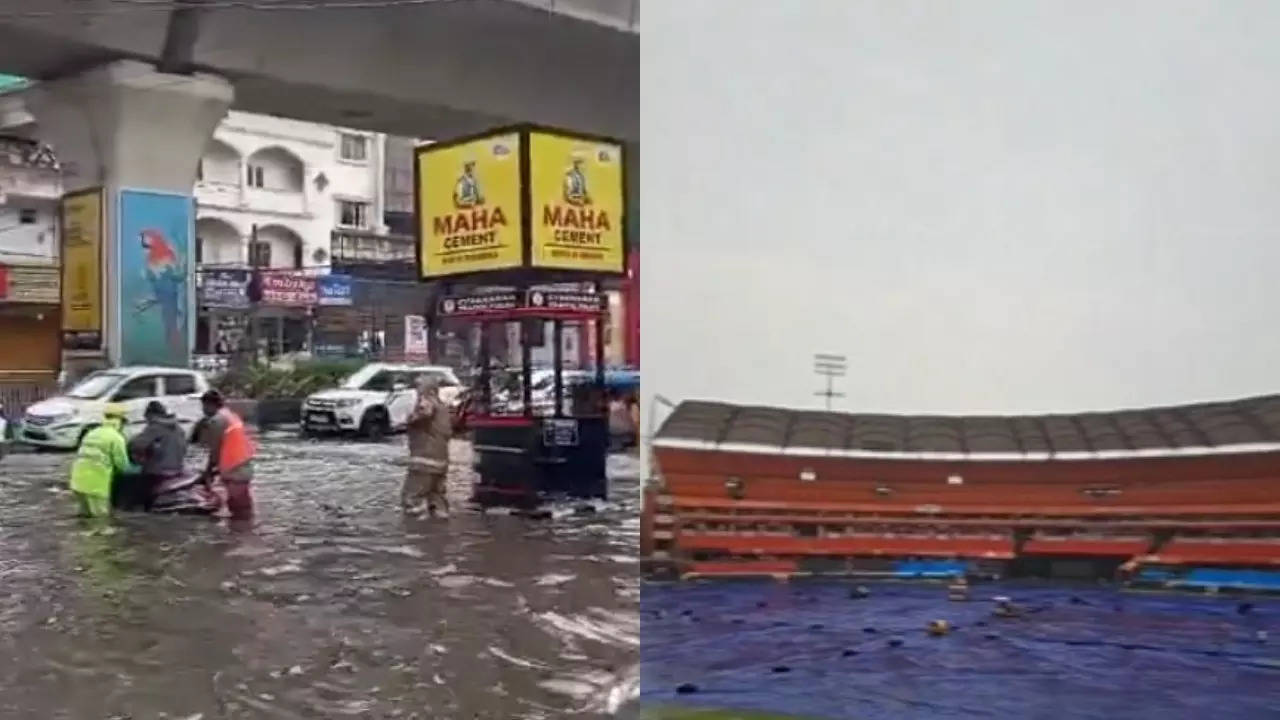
(160, 450)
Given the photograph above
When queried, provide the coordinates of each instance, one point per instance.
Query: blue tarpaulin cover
(807, 648)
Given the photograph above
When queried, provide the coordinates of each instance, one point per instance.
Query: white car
(61, 421)
(375, 400)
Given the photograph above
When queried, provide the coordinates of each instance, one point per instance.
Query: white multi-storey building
(291, 185)
(291, 182)
(295, 182)
(30, 187)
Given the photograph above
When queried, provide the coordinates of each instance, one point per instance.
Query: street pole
(256, 278)
(830, 367)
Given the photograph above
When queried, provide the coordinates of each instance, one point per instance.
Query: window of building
(199, 250)
(27, 216)
(254, 175)
(353, 214)
(354, 148)
(297, 256)
(260, 254)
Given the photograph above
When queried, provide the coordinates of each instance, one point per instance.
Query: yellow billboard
(81, 218)
(469, 210)
(576, 194)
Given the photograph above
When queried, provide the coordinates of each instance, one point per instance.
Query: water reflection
(331, 605)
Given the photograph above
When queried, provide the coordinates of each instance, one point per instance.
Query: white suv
(61, 421)
(375, 400)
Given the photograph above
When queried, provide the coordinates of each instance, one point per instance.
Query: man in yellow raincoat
(102, 454)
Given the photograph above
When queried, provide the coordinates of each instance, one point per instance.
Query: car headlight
(349, 403)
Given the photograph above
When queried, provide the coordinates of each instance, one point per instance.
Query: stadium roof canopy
(1246, 425)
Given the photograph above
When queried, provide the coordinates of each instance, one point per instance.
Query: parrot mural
(165, 274)
(156, 278)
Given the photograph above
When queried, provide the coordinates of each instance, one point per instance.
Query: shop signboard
(288, 289)
(479, 303)
(225, 289)
(502, 301)
(334, 291)
(20, 284)
(576, 301)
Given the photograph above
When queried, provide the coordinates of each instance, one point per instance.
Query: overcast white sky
(988, 205)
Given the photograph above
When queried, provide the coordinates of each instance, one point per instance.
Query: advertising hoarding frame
(96, 344)
(191, 300)
(622, 219)
(527, 272)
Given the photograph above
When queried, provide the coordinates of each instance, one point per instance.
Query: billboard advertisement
(469, 209)
(155, 278)
(576, 192)
(80, 217)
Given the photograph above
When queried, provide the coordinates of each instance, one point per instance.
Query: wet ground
(810, 650)
(332, 605)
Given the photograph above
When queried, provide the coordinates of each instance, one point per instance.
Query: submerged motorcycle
(186, 494)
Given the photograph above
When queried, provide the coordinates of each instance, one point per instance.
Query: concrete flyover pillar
(137, 135)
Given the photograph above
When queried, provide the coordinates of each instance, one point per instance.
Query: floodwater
(332, 605)
(808, 649)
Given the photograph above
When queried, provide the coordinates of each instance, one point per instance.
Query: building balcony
(30, 170)
(220, 194)
(280, 202)
(367, 254)
(22, 152)
(213, 193)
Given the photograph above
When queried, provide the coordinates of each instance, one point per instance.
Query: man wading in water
(430, 426)
(231, 453)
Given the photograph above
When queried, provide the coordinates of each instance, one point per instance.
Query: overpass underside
(415, 68)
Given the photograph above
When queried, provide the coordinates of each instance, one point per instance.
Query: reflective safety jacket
(230, 448)
(102, 454)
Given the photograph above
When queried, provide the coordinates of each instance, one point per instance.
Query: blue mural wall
(155, 309)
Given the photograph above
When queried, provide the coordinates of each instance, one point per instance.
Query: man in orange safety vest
(230, 453)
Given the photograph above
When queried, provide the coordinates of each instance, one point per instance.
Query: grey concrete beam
(505, 60)
(617, 14)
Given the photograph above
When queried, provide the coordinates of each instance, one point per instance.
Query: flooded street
(333, 605)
